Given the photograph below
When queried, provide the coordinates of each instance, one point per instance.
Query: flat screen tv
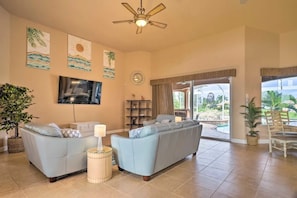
(79, 91)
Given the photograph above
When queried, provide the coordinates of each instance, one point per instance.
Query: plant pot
(252, 140)
(15, 145)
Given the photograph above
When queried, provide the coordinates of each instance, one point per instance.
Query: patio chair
(279, 138)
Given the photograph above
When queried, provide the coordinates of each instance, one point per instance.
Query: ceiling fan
(141, 19)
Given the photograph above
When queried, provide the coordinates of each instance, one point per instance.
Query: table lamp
(178, 119)
(100, 131)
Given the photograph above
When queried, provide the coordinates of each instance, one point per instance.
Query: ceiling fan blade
(126, 5)
(156, 10)
(124, 21)
(139, 30)
(158, 24)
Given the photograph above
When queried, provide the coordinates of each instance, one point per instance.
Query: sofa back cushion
(165, 118)
(44, 129)
(187, 123)
(142, 131)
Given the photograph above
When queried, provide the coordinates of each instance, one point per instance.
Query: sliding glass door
(208, 102)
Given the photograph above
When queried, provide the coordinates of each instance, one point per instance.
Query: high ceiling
(187, 19)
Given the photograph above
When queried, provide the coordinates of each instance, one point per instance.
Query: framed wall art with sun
(79, 53)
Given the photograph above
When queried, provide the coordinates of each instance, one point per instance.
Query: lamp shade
(100, 130)
(178, 119)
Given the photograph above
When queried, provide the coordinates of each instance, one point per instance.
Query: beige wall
(5, 45)
(45, 82)
(288, 49)
(262, 50)
(138, 61)
(4, 60)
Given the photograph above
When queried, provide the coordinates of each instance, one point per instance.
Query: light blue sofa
(152, 148)
(54, 155)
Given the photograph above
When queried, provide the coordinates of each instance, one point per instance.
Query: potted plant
(252, 115)
(14, 100)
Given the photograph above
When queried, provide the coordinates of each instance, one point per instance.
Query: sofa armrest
(56, 156)
(136, 155)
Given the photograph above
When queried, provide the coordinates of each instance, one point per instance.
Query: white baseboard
(239, 141)
(243, 141)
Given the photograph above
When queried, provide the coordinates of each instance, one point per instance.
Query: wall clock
(137, 77)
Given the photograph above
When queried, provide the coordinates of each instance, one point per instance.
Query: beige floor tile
(192, 165)
(242, 190)
(166, 182)
(14, 194)
(127, 184)
(204, 181)
(215, 173)
(219, 170)
(179, 173)
(7, 184)
(150, 191)
(252, 179)
(191, 190)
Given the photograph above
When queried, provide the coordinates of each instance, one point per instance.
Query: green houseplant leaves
(14, 100)
(252, 115)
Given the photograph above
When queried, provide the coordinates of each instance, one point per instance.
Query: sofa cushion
(175, 125)
(71, 133)
(44, 129)
(166, 121)
(187, 123)
(161, 127)
(142, 132)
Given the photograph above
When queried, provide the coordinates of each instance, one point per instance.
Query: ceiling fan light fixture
(141, 19)
(141, 22)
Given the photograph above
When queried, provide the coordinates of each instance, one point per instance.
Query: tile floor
(219, 170)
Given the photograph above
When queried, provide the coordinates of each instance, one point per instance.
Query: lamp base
(100, 146)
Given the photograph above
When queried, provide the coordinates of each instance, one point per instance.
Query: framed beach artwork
(108, 64)
(38, 49)
(79, 53)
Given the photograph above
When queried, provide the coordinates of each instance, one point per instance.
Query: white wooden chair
(279, 138)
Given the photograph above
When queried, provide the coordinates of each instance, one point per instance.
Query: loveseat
(152, 148)
(54, 155)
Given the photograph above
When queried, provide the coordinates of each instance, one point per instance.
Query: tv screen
(79, 91)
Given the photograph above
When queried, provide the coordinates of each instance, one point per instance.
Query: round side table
(99, 165)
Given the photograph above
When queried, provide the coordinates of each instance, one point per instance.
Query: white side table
(99, 165)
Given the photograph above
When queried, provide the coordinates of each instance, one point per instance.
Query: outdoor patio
(211, 131)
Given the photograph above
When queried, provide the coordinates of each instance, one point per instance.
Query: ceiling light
(141, 21)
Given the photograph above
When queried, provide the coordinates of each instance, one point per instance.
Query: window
(280, 94)
(179, 99)
(206, 102)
